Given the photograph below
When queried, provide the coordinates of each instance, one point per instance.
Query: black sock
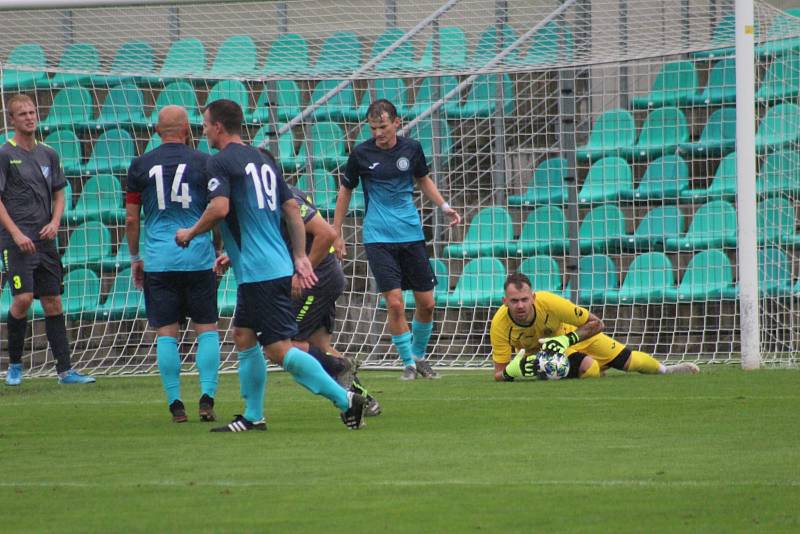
(332, 365)
(17, 328)
(56, 330)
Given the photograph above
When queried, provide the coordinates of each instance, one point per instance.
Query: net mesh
(590, 145)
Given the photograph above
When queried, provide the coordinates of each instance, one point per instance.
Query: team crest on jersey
(45, 170)
(213, 184)
(403, 164)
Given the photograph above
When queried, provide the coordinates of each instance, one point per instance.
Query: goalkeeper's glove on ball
(557, 345)
(521, 365)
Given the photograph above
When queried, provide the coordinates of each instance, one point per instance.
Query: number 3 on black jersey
(178, 192)
(264, 184)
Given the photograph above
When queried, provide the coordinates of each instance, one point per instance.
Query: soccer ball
(553, 366)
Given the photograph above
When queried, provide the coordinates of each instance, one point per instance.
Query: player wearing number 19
(249, 197)
(169, 184)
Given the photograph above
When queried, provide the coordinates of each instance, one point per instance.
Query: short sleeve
(133, 182)
(307, 209)
(284, 193)
(352, 172)
(499, 337)
(562, 309)
(219, 184)
(420, 164)
(59, 180)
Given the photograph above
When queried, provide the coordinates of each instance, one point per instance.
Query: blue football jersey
(255, 188)
(387, 177)
(173, 185)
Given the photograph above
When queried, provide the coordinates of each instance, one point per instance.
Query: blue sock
(421, 334)
(309, 373)
(208, 362)
(403, 344)
(253, 382)
(169, 366)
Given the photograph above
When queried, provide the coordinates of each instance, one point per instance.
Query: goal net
(588, 144)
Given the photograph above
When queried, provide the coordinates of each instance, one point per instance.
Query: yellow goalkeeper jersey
(552, 316)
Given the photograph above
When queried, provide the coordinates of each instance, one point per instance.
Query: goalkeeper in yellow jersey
(541, 321)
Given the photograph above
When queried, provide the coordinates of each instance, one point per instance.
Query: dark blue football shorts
(400, 265)
(266, 308)
(172, 296)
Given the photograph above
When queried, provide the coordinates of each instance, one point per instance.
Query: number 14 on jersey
(179, 192)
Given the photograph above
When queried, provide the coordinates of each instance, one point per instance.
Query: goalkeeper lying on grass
(542, 323)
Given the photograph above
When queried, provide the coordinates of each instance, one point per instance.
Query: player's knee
(589, 368)
(21, 304)
(395, 304)
(425, 306)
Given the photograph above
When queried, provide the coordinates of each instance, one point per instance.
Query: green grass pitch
(716, 452)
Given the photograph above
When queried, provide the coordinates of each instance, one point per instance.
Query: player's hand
(24, 243)
(137, 273)
(522, 365)
(183, 237)
(339, 247)
(221, 264)
(297, 288)
(557, 345)
(305, 272)
(453, 215)
(49, 231)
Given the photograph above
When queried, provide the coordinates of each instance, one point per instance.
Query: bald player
(169, 184)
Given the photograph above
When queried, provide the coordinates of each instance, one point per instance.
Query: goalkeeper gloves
(521, 365)
(557, 345)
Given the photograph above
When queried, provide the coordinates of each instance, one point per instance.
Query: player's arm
(216, 210)
(324, 236)
(588, 324)
(297, 235)
(50, 229)
(431, 192)
(23, 242)
(342, 205)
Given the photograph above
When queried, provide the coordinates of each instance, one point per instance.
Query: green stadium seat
(324, 189)
(709, 276)
(226, 294)
(675, 85)
(775, 272)
(650, 280)
(777, 223)
(204, 147)
(452, 50)
(602, 230)
(780, 127)
(543, 272)
(392, 89)
(487, 235)
(30, 56)
(81, 297)
(236, 57)
(713, 226)
(598, 280)
(290, 160)
(288, 101)
(425, 94)
(777, 43)
(328, 147)
(662, 132)
(721, 87)
(718, 136)
(480, 284)
(72, 105)
(609, 179)
(780, 174)
(185, 58)
(89, 244)
(123, 256)
(423, 132)
(723, 185)
(123, 106)
(102, 198)
(133, 60)
(231, 90)
(723, 34)
(5, 136)
(481, 101)
(113, 152)
(543, 232)
(489, 46)
(153, 143)
(552, 43)
(664, 179)
(177, 93)
(68, 147)
(614, 132)
(287, 55)
(546, 186)
(82, 58)
(400, 59)
(341, 107)
(67, 204)
(657, 225)
(340, 54)
(124, 301)
(782, 79)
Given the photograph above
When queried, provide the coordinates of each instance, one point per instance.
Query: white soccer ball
(553, 366)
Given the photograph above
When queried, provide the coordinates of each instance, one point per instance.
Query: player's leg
(19, 273)
(610, 353)
(582, 365)
(200, 297)
(418, 275)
